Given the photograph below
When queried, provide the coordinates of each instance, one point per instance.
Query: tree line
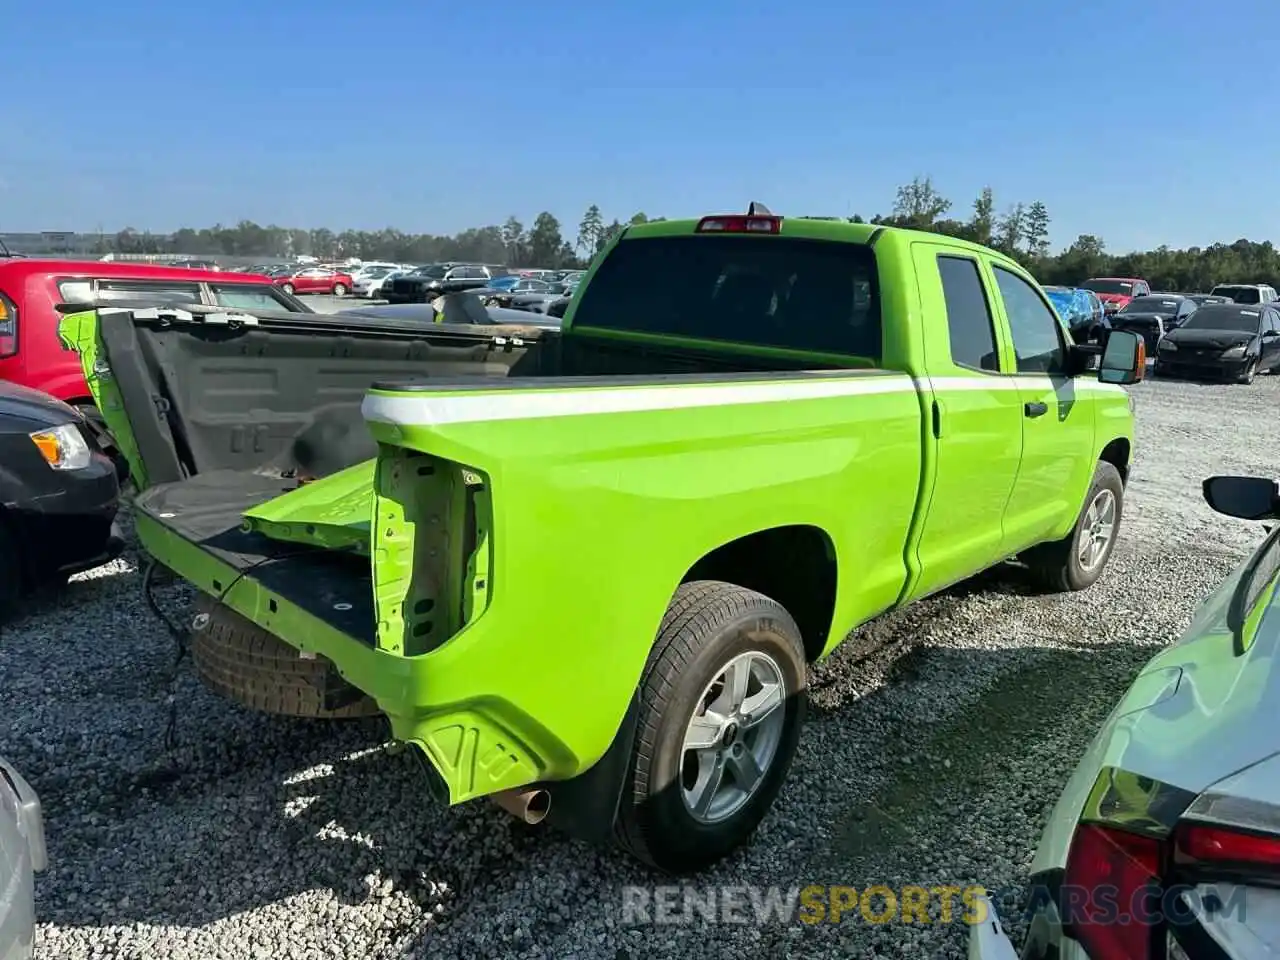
(1019, 229)
(543, 244)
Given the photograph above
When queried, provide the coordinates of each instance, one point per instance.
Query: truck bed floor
(206, 509)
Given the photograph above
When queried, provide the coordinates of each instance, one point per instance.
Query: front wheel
(1077, 561)
(1250, 372)
(339, 289)
(287, 288)
(722, 700)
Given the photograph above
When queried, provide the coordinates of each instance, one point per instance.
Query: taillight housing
(739, 223)
(8, 327)
(1111, 894)
(1221, 846)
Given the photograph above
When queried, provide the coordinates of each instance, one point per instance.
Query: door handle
(1036, 409)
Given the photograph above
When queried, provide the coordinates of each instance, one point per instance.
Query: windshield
(1122, 287)
(433, 272)
(794, 293)
(376, 272)
(1161, 305)
(1240, 294)
(1224, 318)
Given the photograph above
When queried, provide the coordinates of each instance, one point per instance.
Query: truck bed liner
(206, 510)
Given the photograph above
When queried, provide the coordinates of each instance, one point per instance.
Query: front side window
(1038, 345)
(970, 326)
(244, 296)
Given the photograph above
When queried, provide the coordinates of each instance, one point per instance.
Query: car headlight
(1168, 347)
(1233, 354)
(63, 447)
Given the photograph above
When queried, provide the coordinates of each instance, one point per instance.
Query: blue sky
(1143, 122)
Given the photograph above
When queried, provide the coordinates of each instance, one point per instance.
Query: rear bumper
(479, 745)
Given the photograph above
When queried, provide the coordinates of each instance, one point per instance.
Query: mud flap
(586, 807)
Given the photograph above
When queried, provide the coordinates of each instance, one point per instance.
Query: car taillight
(1111, 891)
(1206, 843)
(8, 327)
(739, 224)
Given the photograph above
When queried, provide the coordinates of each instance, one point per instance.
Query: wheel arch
(1117, 453)
(793, 565)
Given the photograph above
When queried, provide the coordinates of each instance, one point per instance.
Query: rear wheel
(722, 699)
(339, 289)
(1077, 561)
(237, 659)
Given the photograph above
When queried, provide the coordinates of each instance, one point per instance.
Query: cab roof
(22, 267)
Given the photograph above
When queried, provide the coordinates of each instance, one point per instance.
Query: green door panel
(976, 450)
(1057, 460)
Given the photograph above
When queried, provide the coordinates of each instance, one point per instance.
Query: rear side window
(799, 294)
(161, 291)
(969, 322)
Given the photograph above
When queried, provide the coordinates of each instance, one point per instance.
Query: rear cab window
(784, 292)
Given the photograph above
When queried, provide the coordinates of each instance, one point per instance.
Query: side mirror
(1248, 498)
(1124, 358)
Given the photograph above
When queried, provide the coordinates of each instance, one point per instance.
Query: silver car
(1165, 844)
(22, 855)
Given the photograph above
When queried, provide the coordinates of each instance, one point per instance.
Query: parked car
(427, 283)
(58, 494)
(1152, 317)
(464, 308)
(1166, 840)
(1223, 341)
(315, 280)
(1115, 292)
(1246, 292)
(195, 264)
(22, 856)
(1082, 311)
(498, 459)
(30, 350)
(369, 281)
(529, 295)
(1200, 299)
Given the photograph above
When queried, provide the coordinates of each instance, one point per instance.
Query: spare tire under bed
(236, 658)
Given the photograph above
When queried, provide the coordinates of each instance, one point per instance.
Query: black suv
(426, 283)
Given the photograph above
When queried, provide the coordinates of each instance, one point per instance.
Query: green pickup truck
(584, 570)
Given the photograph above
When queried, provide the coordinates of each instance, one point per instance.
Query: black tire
(707, 625)
(339, 289)
(1250, 372)
(13, 575)
(1058, 565)
(237, 659)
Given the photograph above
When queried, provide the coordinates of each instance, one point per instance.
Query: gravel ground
(937, 742)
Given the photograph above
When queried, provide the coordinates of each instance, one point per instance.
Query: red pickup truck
(31, 353)
(1115, 292)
